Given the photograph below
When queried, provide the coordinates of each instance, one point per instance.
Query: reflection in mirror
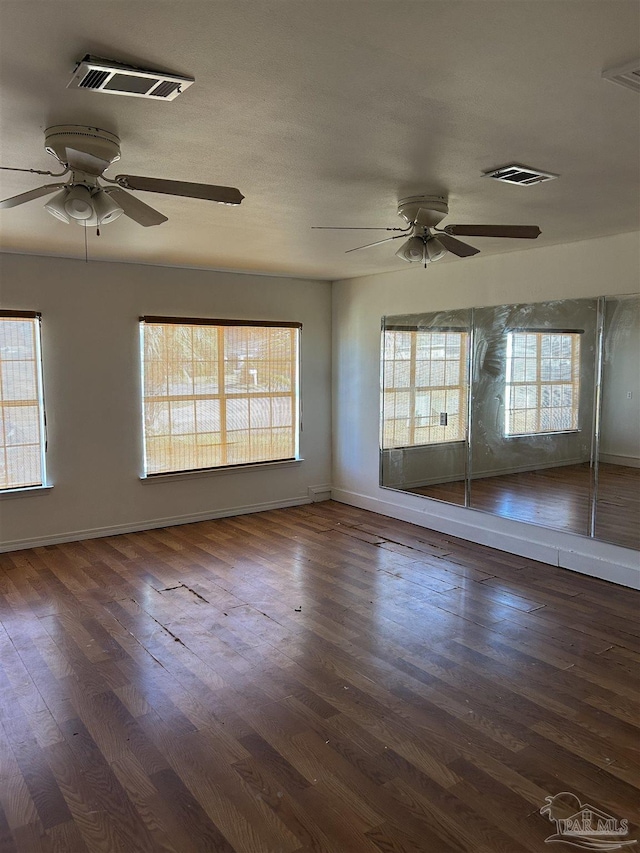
(548, 429)
(617, 515)
(424, 403)
(533, 392)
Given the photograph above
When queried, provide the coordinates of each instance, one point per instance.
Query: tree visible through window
(218, 394)
(425, 386)
(21, 404)
(543, 382)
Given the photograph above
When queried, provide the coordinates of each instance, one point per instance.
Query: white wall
(603, 266)
(92, 385)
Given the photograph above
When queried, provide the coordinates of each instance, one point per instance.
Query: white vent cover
(114, 78)
(522, 175)
(627, 75)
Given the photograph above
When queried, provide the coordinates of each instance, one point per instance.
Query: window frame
(222, 397)
(36, 316)
(462, 387)
(574, 383)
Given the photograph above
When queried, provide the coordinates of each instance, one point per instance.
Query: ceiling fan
(425, 243)
(86, 153)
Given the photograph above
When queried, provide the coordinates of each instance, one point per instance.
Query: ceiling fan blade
(355, 228)
(15, 200)
(81, 162)
(377, 243)
(135, 209)
(523, 232)
(457, 247)
(208, 192)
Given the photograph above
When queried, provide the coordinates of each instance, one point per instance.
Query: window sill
(25, 492)
(433, 445)
(217, 472)
(540, 434)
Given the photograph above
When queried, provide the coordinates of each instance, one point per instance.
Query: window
(218, 393)
(425, 386)
(543, 382)
(21, 406)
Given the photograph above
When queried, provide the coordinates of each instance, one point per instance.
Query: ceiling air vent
(522, 175)
(114, 78)
(627, 75)
(94, 79)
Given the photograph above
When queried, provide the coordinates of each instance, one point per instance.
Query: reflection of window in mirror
(542, 382)
(425, 387)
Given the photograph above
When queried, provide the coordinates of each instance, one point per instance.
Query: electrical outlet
(629, 395)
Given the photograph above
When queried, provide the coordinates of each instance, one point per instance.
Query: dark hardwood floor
(309, 679)
(558, 498)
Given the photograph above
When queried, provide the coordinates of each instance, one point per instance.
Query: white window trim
(16, 491)
(537, 383)
(296, 396)
(413, 389)
(24, 492)
(217, 472)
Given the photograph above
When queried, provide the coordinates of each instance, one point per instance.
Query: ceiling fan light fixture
(412, 251)
(55, 206)
(106, 209)
(78, 204)
(434, 249)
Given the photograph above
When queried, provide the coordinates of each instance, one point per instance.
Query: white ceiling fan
(86, 153)
(425, 243)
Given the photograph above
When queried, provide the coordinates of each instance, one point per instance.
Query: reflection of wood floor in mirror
(559, 498)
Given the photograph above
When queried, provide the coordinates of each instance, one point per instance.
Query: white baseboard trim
(580, 554)
(319, 493)
(151, 524)
(596, 567)
(613, 459)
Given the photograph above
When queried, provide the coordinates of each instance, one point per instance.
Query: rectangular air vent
(115, 78)
(626, 75)
(522, 175)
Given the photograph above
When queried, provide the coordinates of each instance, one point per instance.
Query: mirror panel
(533, 411)
(425, 381)
(529, 411)
(617, 511)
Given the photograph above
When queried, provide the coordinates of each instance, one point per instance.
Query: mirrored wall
(530, 412)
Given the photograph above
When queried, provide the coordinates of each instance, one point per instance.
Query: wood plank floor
(310, 679)
(557, 498)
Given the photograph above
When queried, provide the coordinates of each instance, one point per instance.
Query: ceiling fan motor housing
(425, 210)
(92, 141)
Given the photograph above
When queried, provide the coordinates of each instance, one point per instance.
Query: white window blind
(425, 386)
(218, 393)
(21, 405)
(543, 382)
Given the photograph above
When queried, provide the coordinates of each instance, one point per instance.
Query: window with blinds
(543, 382)
(218, 393)
(424, 386)
(22, 433)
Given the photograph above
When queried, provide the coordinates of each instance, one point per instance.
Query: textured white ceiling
(325, 112)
